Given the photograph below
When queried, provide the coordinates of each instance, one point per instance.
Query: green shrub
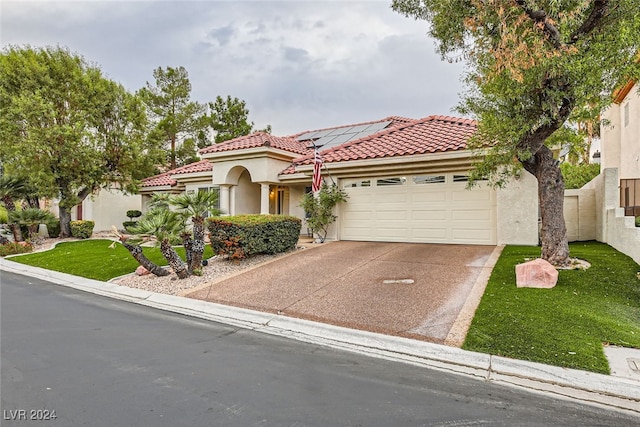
(54, 228)
(638, 221)
(128, 224)
(133, 214)
(576, 176)
(242, 236)
(82, 229)
(4, 217)
(15, 248)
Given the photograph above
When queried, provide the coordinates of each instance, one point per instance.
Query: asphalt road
(93, 361)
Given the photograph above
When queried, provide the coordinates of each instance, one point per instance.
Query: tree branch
(540, 16)
(600, 9)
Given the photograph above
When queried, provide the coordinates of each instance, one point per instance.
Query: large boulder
(536, 274)
(141, 271)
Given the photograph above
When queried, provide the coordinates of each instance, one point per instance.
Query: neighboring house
(406, 180)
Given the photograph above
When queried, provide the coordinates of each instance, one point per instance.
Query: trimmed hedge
(242, 236)
(82, 229)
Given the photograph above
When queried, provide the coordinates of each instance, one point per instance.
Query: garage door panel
(428, 196)
(438, 213)
(470, 195)
(471, 215)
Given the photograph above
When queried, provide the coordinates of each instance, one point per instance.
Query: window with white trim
(384, 182)
(429, 179)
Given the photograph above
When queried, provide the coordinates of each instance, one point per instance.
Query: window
(355, 184)
(460, 178)
(384, 182)
(429, 179)
(626, 114)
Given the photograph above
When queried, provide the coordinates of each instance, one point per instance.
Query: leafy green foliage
(94, 259)
(319, 209)
(242, 236)
(576, 176)
(53, 227)
(531, 67)
(68, 128)
(4, 216)
(82, 229)
(15, 248)
(566, 325)
(230, 119)
(134, 214)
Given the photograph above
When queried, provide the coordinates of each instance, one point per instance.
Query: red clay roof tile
(166, 177)
(429, 135)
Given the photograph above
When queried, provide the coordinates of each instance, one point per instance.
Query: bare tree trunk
(546, 169)
(176, 263)
(10, 206)
(4, 240)
(198, 244)
(187, 242)
(138, 255)
(65, 222)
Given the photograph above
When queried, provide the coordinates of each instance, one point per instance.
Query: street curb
(587, 387)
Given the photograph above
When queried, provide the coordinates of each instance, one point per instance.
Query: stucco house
(406, 181)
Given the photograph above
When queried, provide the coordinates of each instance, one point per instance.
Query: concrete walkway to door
(422, 291)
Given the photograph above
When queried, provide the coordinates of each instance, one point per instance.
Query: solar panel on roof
(337, 140)
(374, 127)
(306, 136)
(358, 129)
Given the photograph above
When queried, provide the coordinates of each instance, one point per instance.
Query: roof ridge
(386, 119)
(388, 131)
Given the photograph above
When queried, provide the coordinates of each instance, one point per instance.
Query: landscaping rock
(141, 271)
(536, 274)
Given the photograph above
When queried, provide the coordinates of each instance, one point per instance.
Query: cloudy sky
(299, 65)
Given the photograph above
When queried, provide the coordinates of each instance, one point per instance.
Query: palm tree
(31, 218)
(165, 226)
(138, 255)
(12, 188)
(198, 206)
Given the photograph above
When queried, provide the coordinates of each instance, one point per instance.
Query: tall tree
(529, 64)
(178, 120)
(67, 127)
(229, 119)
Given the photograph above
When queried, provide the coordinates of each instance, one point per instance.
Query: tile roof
(258, 139)
(166, 178)
(429, 135)
(395, 121)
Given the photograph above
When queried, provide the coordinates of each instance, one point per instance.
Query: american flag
(317, 175)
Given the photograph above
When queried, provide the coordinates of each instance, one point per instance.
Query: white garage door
(433, 208)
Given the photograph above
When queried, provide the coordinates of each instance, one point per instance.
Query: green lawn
(93, 259)
(564, 326)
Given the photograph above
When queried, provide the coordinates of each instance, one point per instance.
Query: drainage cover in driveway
(399, 281)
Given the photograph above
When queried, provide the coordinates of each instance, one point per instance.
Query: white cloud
(298, 65)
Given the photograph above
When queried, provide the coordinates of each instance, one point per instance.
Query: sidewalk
(587, 387)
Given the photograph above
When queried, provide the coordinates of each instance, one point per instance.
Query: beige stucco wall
(620, 140)
(261, 170)
(517, 211)
(109, 207)
(247, 195)
(580, 214)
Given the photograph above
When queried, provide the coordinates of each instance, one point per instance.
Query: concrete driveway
(423, 291)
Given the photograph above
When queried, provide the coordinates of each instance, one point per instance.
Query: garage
(429, 208)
